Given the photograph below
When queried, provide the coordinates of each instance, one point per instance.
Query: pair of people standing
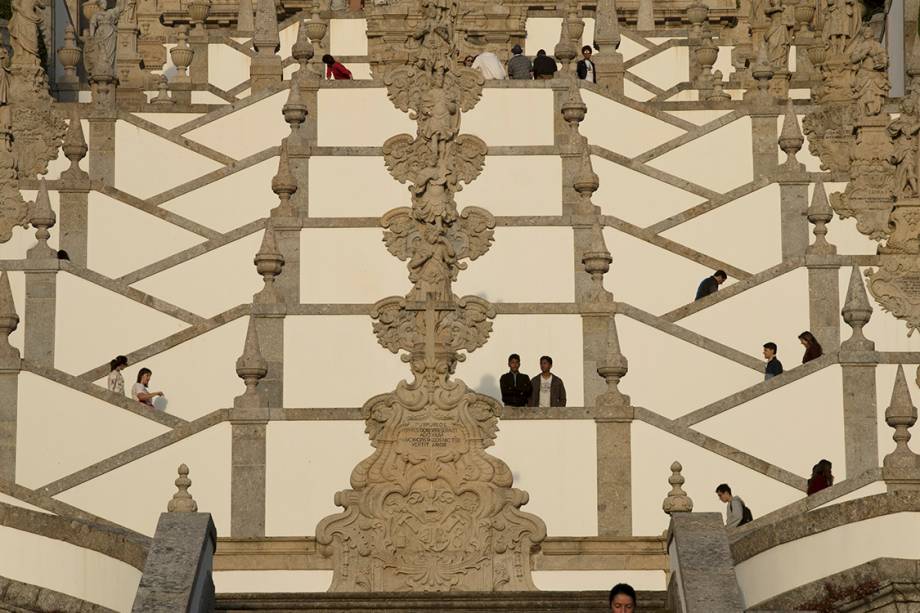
(544, 390)
(139, 391)
(813, 350)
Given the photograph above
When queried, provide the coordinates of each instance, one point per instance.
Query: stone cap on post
(677, 500)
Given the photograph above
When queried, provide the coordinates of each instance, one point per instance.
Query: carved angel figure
(905, 132)
(438, 117)
(103, 29)
(870, 85)
(24, 31)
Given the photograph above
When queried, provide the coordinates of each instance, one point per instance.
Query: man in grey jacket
(547, 390)
(519, 66)
(734, 506)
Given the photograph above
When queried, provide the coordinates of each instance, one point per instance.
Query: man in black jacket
(710, 285)
(585, 67)
(515, 385)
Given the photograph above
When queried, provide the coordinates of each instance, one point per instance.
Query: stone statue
(870, 84)
(6, 123)
(778, 38)
(905, 132)
(841, 24)
(103, 29)
(24, 28)
(128, 16)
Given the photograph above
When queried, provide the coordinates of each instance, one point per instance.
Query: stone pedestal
(247, 472)
(860, 412)
(793, 207)
(824, 301)
(614, 474)
(264, 72)
(763, 141)
(102, 148)
(74, 220)
(131, 79)
(610, 71)
(40, 309)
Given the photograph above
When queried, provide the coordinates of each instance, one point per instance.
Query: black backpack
(746, 515)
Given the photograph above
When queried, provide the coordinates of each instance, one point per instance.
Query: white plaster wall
(56, 565)
(246, 131)
(146, 164)
(135, 494)
(666, 68)
(353, 186)
(93, 325)
(621, 129)
(227, 67)
(511, 117)
(651, 580)
(358, 117)
(802, 561)
(654, 450)
(265, 581)
(211, 283)
(323, 382)
(230, 202)
(517, 185)
(348, 36)
(60, 431)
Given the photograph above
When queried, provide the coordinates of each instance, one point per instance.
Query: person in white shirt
(547, 390)
(139, 390)
(490, 66)
(116, 382)
(585, 67)
(734, 506)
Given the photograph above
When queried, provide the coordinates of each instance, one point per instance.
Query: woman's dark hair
(622, 588)
(119, 360)
(142, 372)
(813, 348)
(583, 49)
(823, 468)
(328, 59)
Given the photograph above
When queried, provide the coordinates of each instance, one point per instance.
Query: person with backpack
(736, 512)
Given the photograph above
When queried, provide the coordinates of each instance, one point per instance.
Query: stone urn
(198, 11)
(697, 13)
(817, 53)
(574, 110)
(316, 28)
(707, 53)
(89, 9)
(576, 28)
(69, 54)
(182, 54)
(804, 12)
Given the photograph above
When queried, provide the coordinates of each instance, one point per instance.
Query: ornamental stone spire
(820, 214)
(791, 140)
(182, 501)
(269, 261)
(74, 146)
(901, 467)
(283, 183)
(613, 369)
(585, 183)
(856, 313)
(251, 367)
(9, 321)
(677, 500)
(42, 217)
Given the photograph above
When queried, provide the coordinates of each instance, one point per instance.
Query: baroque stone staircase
(462, 602)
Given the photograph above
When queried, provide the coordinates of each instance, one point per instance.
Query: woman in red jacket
(335, 70)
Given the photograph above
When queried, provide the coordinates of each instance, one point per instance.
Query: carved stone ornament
(895, 285)
(430, 510)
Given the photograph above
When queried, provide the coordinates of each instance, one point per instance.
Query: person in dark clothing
(546, 389)
(622, 598)
(514, 384)
(585, 66)
(544, 67)
(821, 477)
(519, 66)
(812, 346)
(710, 285)
(774, 367)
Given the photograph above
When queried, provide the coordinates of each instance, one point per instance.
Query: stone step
(462, 602)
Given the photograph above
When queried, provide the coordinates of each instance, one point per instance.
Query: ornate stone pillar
(793, 186)
(763, 117)
(198, 16)
(248, 422)
(265, 68)
(9, 382)
(609, 61)
(41, 291)
(68, 85)
(182, 56)
(858, 361)
(74, 191)
(293, 172)
(823, 275)
(697, 15)
(102, 145)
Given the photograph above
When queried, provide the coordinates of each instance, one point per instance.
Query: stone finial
(791, 139)
(162, 96)
(42, 217)
(302, 51)
(74, 144)
(856, 312)
(606, 26)
(613, 369)
(182, 501)
(182, 54)
(283, 183)
(820, 214)
(901, 467)
(266, 41)
(69, 54)
(198, 11)
(251, 367)
(717, 94)
(762, 71)
(585, 183)
(597, 259)
(269, 262)
(697, 15)
(565, 50)
(677, 500)
(574, 108)
(9, 320)
(294, 110)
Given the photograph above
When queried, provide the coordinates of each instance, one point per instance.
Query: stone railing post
(9, 381)
(74, 193)
(763, 118)
(41, 279)
(198, 69)
(265, 68)
(823, 275)
(793, 188)
(858, 362)
(177, 573)
(609, 61)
